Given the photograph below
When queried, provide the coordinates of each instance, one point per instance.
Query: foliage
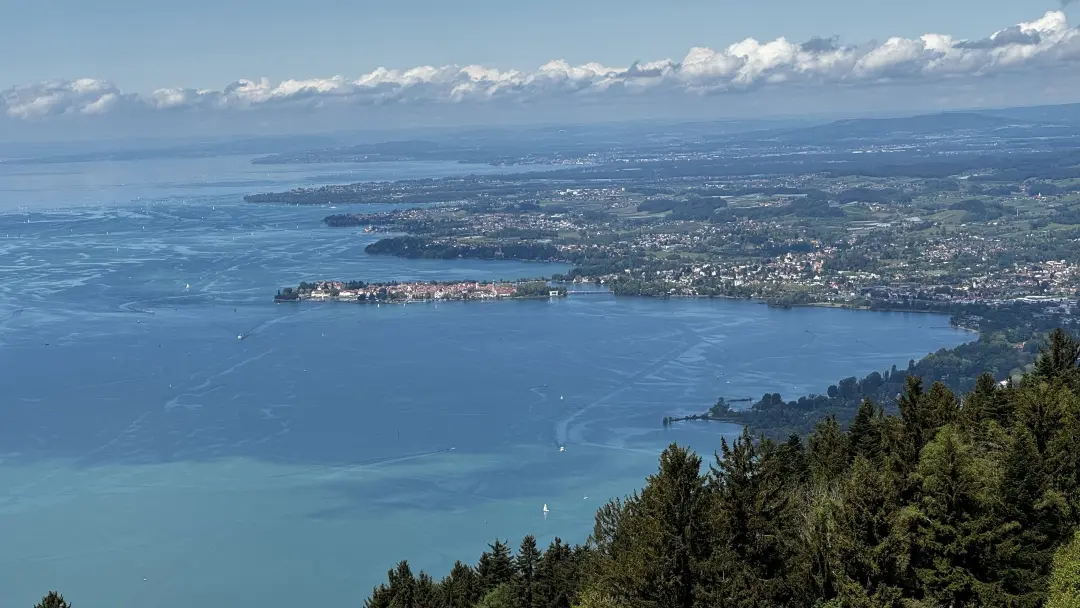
(1065, 580)
(499, 597)
(53, 600)
(419, 247)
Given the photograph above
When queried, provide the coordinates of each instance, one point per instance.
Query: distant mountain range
(1058, 120)
(512, 144)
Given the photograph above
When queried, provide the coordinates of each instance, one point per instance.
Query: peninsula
(359, 291)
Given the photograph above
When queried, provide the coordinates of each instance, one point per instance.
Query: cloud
(820, 45)
(746, 65)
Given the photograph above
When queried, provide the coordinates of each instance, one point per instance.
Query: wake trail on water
(207, 385)
(562, 429)
(332, 472)
(14, 495)
(260, 327)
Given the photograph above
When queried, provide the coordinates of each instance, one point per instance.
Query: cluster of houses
(402, 292)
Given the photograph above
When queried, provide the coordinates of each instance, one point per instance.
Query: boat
(562, 448)
(241, 336)
(545, 508)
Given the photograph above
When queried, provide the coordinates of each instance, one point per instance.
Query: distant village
(358, 291)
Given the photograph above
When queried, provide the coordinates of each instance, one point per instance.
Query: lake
(148, 452)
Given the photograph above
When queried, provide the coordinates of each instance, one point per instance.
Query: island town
(395, 292)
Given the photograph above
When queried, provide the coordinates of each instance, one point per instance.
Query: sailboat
(545, 509)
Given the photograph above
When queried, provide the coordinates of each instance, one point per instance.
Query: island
(431, 291)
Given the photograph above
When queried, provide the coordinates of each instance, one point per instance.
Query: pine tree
(402, 586)
(1040, 407)
(874, 565)
(864, 434)
(828, 451)
(664, 537)
(606, 527)
(495, 567)
(958, 526)
(558, 575)
(986, 403)
(427, 593)
(460, 588)
(754, 520)
(821, 541)
(917, 428)
(1027, 501)
(525, 573)
(793, 462)
(53, 600)
(1059, 359)
(1063, 458)
(942, 406)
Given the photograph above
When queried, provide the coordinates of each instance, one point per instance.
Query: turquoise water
(146, 450)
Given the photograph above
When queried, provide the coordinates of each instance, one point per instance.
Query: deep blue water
(141, 440)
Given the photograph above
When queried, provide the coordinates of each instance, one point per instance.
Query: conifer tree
(402, 586)
(1039, 408)
(558, 576)
(875, 566)
(525, 573)
(828, 451)
(664, 538)
(957, 524)
(1060, 358)
(53, 600)
(495, 567)
(986, 403)
(427, 594)
(864, 433)
(1027, 501)
(460, 588)
(754, 520)
(793, 462)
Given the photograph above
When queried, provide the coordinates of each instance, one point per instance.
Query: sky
(148, 44)
(156, 64)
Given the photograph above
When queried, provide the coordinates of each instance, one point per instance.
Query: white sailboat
(545, 509)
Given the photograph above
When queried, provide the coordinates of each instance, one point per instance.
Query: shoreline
(563, 285)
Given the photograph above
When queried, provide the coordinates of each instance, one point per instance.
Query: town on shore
(359, 291)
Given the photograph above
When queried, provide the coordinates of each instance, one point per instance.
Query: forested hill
(955, 501)
(1009, 340)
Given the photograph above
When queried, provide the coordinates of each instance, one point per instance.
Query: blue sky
(211, 66)
(143, 45)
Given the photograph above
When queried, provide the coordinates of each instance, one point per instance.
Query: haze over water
(146, 450)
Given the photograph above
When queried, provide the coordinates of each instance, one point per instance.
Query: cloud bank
(1045, 43)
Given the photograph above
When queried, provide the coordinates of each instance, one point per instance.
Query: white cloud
(749, 64)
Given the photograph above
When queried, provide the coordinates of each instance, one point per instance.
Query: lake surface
(146, 450)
